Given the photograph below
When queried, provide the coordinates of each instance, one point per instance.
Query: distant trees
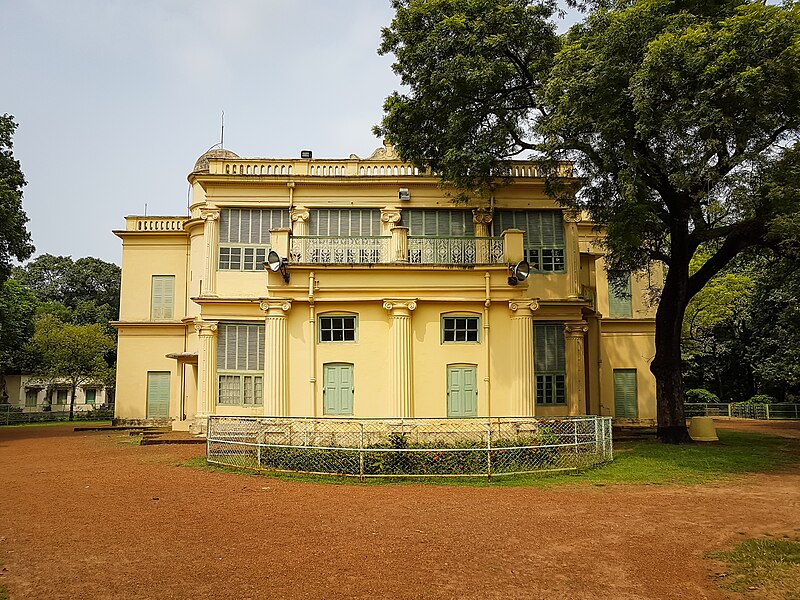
(15, 240)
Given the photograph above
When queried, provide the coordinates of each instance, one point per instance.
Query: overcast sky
(115, 99)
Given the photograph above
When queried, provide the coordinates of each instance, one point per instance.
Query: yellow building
(387, 300)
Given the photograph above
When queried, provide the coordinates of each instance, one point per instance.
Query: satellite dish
(519, 272)
(274, 261)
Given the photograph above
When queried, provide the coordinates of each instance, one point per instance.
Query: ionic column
(400, 356)
(211, 241)
(572, 249)
(276, 357)
(481, 218)
(398, 244)
(298, 248)
(524, 392)
(576, 369)
(206, 372)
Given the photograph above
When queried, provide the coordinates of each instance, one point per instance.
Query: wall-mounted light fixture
(403, 194)
(275, 263)
(518, 272)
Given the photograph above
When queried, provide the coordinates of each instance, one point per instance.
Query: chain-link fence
(409, 447)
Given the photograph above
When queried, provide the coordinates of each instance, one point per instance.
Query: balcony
(455, 251)
(339, 250)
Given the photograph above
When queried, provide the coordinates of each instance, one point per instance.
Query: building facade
(388, 300)
(32, 394)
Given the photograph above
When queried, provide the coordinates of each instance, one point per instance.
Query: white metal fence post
(489, 451)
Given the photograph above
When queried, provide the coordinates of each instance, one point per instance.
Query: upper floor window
(619, 298)
(549, 363)
(345, 222)
(438, 222)
(337, 328)
(543, 236)
(461, 329)
(162, 297)
(244, 237)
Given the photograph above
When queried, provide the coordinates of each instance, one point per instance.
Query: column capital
(482, 216)
(390, 214)
(275, 307)
(397, 307)
(206, 328)
(575, 329)
(209, 214)
(523, 307)
(300, 214)
(572, 215)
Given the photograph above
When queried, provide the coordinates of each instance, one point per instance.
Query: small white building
(31, 394)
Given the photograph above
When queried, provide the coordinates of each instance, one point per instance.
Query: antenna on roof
(222, 132)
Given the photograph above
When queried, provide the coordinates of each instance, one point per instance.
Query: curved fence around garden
(409, 447)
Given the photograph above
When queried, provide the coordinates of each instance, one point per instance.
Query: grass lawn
(646, 462)
(762, 565)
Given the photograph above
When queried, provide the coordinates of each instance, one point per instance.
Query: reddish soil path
(83, 515)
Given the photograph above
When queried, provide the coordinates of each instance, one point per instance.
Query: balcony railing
(455, 250)
(339, 250)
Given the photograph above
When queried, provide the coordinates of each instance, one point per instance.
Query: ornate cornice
(275, 306)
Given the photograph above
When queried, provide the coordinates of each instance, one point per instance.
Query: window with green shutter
(550, 363)
(543, 236)
(626, 401)
(240, 364)
(345, 222)
(162, 297)
(244, 236)
(438, 222)
(31, 397)
(619, 299)
(91, 396)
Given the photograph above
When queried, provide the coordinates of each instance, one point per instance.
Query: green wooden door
(626, 402)
(337, 391)
(158, 394)
(462, 392)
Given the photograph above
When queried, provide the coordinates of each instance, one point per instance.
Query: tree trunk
(666, 365)
(72, 404)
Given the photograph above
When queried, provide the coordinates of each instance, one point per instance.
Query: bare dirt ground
(85, 515)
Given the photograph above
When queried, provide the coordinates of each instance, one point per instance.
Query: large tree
(15, 240)
(72, 354)
(17, 312)
(681, 119)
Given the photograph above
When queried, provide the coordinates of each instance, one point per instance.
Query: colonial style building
(387, 299)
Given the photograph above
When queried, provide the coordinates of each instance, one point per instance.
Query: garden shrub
(762, 399)
(699, 395)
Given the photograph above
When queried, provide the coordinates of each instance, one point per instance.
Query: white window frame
(338, 315)
(468, 317)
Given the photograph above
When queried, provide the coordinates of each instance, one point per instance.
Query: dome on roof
(202, 162)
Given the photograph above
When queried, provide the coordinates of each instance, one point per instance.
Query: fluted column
(481, 219)
(206, 373)
(401, 393)
(576, 368)
(211, 241)
(524, 392)
(572, 248)
(276, 357)
(298, 249)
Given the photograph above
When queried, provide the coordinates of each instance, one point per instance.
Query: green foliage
(15, 240)
(17, 310)
(760, 399)
(699, 395)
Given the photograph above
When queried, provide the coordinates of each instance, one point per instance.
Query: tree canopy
(15, 240)
(681, 119)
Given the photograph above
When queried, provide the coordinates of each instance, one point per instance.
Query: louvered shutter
(162, 297)
(625, 394)
(619, 303)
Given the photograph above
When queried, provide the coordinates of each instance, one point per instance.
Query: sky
(115, 100)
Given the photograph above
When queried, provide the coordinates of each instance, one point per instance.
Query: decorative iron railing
(339, 250)
(410, 447)
(455, 250)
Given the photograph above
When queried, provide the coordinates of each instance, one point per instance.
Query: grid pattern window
(244, 237)
(240, 364)
(461, 329)
(337, 328)
(619, 298)
(162, 298)
(345, 222)
(550, 363)
(543, 236)
(438, 222)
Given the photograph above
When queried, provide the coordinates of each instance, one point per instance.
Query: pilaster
(206, 373)
(400, 362)
(572, 249)
(481, 219)
(524, 392)
(576, 368)
(276, 355)
(210, 217)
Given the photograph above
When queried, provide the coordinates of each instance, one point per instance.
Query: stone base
(198, 425)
